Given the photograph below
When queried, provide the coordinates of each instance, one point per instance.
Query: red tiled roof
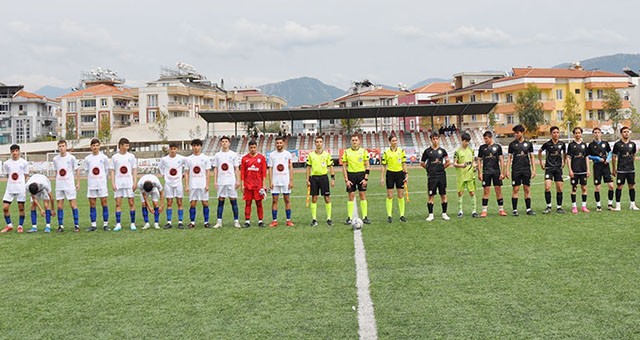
(25, 94)
(100, 90)
(559, 73)
(373, 93)
(434, 88)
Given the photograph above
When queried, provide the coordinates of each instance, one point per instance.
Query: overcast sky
(250, 43)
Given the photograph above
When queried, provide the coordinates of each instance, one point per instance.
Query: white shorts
(19, 197)
(97, 193)
(127, 192)
(198, 195)
(154, 195)
(173, 192)
(227, 190)
(66, 194)
(280, 189)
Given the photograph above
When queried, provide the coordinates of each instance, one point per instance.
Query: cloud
(290, 34)
(461, 37)
(33, 82)
(17, 26)
(585, 36)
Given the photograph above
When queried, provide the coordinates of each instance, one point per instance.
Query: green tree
(572, 114)
(493, 119)
(634, 116)
(612, 105)
(104, 131)
(529, 109)
(351, 125)
(70, 133)
(161, 126)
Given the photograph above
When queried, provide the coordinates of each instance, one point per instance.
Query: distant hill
(303, 91)
(610, 63)
(52, 91)
(428, 81)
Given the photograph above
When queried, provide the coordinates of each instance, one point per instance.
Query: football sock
(485, 204)
(596, 195)
(389, 205)
(500, 203)
(350, 205)
(314, 210)
(21, 220)
(93, 214)
(274, 215)
(145, 215)
(584, 200)
(118, 216)
(547, 198)
(156, 214)
(444, 207)
(192, 213)
(105, 215)
(401, 206)
(47, 216)
(219, 212)
(364, 206)
(559, 199)
(474, 202)
(260, 210)
(460, 200)
(180, 214)
(610, 195)
(514, 203)
(61, 217)
(632, 195)
(169, 215)
(573, 199)
(205, 212)
(132, 215)
(288, 213)
(76, 216)
(34, 218)
(247, 210)
(527, 203)
(7, 219)
(430, 208)
(328, 207)
(618, 195)
(234, 208)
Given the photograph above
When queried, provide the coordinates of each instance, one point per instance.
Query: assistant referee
(355, 168)
(394, 174)
(318, 164)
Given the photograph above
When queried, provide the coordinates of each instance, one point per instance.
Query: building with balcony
(422, 95)
(25, 116)
(251, 99)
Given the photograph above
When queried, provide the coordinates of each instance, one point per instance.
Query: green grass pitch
(547, 276)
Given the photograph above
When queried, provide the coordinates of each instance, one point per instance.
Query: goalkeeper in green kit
(466, 166)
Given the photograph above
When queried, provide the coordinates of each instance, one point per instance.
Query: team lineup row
(230, 173)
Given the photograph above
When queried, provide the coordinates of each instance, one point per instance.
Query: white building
(25, 116)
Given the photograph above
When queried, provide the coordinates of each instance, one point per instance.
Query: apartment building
(25, 116)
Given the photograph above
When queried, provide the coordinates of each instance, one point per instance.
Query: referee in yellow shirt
(318, 163)
(394, 174)
(355, 168)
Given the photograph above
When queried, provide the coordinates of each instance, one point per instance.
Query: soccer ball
(356, 223)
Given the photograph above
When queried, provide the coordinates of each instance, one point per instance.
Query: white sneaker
(146, 226)
(117, 228)
(445, 217)
(156, 226)
(633, 207)
(133, 227)
(430, 218)
(617, 207)
(237, 224)
(218, 225)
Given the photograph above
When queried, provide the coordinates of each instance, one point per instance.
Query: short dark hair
(95, 141)
(392, 137)
(173, 145)
(252, 142)
(434, 135)
(487, 134)
(14, 147)
(62, 141)
(123, 141)
(225, 137)
(597, 129)
(279, 138)
(147, 186)
(466, 136)
(33, 188)
(553, 128)
(624, 128)
(518, 128)
(318, 137)
(354, 136)
(577, 128)
(196, 141)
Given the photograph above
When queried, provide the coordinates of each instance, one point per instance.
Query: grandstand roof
(234, 116)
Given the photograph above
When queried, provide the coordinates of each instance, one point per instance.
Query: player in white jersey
(96, 166)
(39, 187)
(152, 199)
(280, 175)
(17, 170)
(226, 179)
(171, 167)
(124, 171)
(198, 168)
(67, 183)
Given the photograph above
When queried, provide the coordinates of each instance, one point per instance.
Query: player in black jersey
(522, 169)
(435, 160)
(624, 152)
(600, 155)
(556, 153)
(491, 171)
(578, 169)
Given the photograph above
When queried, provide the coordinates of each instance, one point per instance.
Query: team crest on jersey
(196, 170)
(224, 167)
(95, 171)
(173, 172)
(582, 146)
(494, 149)
(360, 159)
(439, 152)
(123, 170)
(524, 144)
(63, 172)
(603, 145)
(14, 176)
(259, 160)
(324, 164)
(280, 167)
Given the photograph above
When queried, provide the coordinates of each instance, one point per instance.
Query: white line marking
(366, 320)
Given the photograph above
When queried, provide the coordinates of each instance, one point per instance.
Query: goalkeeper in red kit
(253, 171)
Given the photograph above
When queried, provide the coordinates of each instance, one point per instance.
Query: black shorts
(438, 184)
(579, 179)
(491, 179)
(602, 175)
(356, 181)
(553, 175)
(629, 177)
(521, 178)
(319, 186)
(395, 179)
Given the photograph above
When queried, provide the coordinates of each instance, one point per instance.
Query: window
(152, 115)
(495, 97)
(152, 100)
(472, 98)
(4, 107)
(601, 115)
(558, 94)
(577, 91)
(103, 102)
(559, 115)
(474, 118)
(510, 119)
(87, 119)
(87, 134)
(386, 120)
(591, 115)
(20, 107)
(509, 97)
(625, 95)
(71, 107)
(599, 94)
(590, 95)
(412, 124)
(88, 103)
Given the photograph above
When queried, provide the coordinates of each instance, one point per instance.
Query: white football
(356, 223)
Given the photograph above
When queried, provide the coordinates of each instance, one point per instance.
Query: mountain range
(310, 91)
